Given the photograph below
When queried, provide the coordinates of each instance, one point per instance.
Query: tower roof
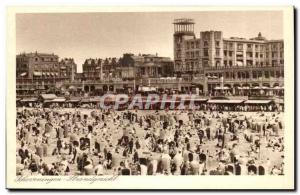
(184, 21)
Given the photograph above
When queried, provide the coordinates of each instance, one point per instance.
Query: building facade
(68, 69)
(40, 72)
(126, 73)
(212, 61)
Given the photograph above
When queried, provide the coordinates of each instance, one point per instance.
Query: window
(249, 46)
(230, 53)
(274, 62)
(36, 59)
(192, 45)
(187, 54)
(205, 52)
(267, 74)
(249, 54)
(227, 75)
(205, 43)
(225, 63)
(230, 63)
(217, 43)
(277, 74)
(240, 46)
(217, 52)
(256, 54)
(259, 74)
(249, 62)
(225, 53)
(233, 75)
(239, 54)
(205, 63)
(247, 75)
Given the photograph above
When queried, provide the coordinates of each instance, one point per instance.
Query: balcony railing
(257, 80)
(241, 67)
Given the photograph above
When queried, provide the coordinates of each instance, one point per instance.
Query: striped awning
(29, 99)
(258, 101)
(48, 96)
(23, 74)
(200, 100)
(221, 88)
(59, 100)
(35, 73)
(225, 101)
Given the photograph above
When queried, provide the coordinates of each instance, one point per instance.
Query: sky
(100, 35)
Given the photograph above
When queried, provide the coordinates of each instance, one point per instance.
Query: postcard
(150, 98)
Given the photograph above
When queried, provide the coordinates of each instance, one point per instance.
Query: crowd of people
(198, 106)
(77, 141)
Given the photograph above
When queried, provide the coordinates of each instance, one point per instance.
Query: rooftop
(33, 54)
(184, 21)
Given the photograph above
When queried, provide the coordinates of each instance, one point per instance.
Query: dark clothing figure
(137, 144)
(201, 135)
(208, 133)
(135, 157)
(130, 146)
(97, 147)
(59, 145)
(33, 167)
(125, 171)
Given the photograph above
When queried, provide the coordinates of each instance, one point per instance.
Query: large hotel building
(208, 65)
(226, 63)
(41, 73)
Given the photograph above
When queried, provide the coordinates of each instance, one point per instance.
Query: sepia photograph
(103, 99)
